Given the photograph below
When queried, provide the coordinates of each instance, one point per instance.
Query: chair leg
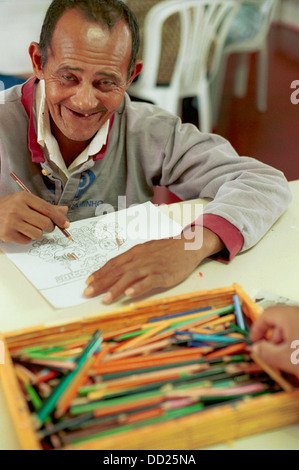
(241, 74)
(216, 89)
(262, 79)
(204, 110)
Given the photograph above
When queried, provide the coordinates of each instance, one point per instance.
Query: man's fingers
(116, 285)
(55, 215)
(157, 263)
(277, 356)
(144, 285)
(24, 217)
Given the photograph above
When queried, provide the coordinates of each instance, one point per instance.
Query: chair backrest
(252, 21)
(267, 8)
(203, 29)
(170, 44)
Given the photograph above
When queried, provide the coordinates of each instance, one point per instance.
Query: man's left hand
(154, 264)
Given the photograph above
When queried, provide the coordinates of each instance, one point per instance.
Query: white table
(272, 265)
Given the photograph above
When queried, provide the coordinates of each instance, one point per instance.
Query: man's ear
(36, 59)
(136, 71)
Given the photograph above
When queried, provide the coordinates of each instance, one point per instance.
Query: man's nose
(85, 98)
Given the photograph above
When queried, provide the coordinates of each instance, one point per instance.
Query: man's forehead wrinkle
(70, 53)
(68, 49)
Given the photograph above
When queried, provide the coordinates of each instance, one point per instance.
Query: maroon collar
(37, 153)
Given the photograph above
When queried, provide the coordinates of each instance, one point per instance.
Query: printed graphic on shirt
(50, 185)
(87, 178)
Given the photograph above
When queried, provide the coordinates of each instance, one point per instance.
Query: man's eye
(68, 77)
(105, 84)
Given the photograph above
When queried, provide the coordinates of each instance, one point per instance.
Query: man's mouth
(84, 116)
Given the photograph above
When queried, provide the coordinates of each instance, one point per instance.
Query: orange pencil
(122, 331)
(142, 415)
(140, 339)
(228, 350)
(67, 396)
(273, 373)
(122, 407)
(144, 349)
(125, 365)
(145, 378)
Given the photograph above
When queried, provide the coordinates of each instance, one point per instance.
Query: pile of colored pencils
(169, 367)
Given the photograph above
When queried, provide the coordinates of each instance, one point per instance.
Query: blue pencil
(179, 314)
(208, 338)
(238, 312)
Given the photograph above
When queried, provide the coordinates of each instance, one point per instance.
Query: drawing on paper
(58, 268)
(93, 246)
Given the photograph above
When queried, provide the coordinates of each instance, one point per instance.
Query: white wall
(20, 23)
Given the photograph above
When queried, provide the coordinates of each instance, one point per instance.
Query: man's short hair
(105, 12)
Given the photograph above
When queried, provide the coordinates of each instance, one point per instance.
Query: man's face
(86, 75)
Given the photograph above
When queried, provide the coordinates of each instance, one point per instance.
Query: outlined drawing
(58, 267)
(94, 244)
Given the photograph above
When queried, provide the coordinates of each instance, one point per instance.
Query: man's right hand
(24, 217)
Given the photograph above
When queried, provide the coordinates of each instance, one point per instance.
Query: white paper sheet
(58, 267)
(268, 299)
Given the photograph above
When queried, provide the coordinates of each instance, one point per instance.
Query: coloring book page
(58, 267)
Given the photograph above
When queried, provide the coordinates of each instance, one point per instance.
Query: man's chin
(78, 135)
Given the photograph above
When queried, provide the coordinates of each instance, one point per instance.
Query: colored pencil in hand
(25, 188)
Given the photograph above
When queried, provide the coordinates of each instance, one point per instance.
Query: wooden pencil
(66, 397)
(140, 339)
(142, 376)
(273, 373)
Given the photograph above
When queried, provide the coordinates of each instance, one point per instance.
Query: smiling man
(85, 77)
(74, 137)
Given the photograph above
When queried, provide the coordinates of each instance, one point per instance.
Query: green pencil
(49, 405)
(170, 414)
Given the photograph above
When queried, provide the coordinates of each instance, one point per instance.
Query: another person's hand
(276, 338)
(154, 264)
(24, 217)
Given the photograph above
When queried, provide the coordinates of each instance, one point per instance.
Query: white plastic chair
(247, 34)
(203, 29)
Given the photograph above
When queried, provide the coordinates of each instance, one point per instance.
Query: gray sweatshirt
(146, 146)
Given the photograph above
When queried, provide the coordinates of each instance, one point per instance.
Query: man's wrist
(202, 240)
